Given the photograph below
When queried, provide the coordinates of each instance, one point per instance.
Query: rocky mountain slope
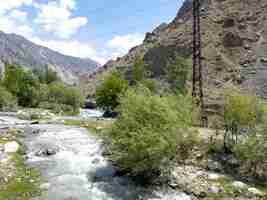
(234, 45)
(16, 49)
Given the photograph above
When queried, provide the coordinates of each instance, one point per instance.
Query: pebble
(45, 186)
(11, 147)
(255, 191)
(239, 185)
(214, 189)
(214, 177)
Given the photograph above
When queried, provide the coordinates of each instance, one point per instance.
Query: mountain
(15, 49)
(234, 37)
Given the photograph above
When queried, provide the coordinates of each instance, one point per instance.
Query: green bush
(68, 99)
(252, 151)
(107, 94)
(7, 101)
(22, 84)
(146, 136)
(177, 74)
(241, 111)
(138, 70)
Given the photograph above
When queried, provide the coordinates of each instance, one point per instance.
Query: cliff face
(234, 37)
(15, 49)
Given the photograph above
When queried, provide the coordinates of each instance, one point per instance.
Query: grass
(24, 184)
(93, 125)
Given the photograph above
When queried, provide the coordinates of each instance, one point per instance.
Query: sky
(96, 29)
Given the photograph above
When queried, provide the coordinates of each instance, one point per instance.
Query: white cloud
(56, 17)
(15, 22)
(12, 4)
(68, 4)
(18, 15)
(71, 48)
(123, 43)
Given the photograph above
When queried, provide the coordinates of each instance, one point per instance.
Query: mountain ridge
(16, 49)
(234, 46)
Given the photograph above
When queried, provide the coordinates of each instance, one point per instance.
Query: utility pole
(197, 89)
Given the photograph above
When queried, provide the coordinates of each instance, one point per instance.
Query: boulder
(89, 104)
(47, 150)
(110, 114)
(11, 147)
(239, 185)
(255, 191)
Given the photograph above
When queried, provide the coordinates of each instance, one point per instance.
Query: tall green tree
(177, 73)
(138, 70)
(108, 93)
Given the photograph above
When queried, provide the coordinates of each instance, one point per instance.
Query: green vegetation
(138, 70)
(39, 89)
(240, 112)
(177, 74)
(107, 94)
(25, 182)
(147, 133)
(7, 100)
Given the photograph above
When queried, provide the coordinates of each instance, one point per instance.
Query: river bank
(68, 154)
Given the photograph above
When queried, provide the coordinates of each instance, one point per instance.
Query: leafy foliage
(7, 100)
(177, 73)
(240, 112)
(22, 84)
(40, 89)
(253, 152)
(146, 136)
(107, 94)
(63, 98)
(138, 70)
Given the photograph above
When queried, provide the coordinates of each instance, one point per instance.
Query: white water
(80, 172)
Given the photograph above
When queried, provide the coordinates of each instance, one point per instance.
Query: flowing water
(78, 171)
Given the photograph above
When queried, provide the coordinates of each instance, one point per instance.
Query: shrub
(7, 101)
(47, 75)
(107, 94)
(252, 151)
(138, 70)
(22, 84)
(146, 136)
(68, 99)
(240, 112)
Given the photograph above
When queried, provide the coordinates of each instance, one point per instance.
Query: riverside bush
(241, 111)
(107, 94)
(146, 135)
(64, 99)
(7, 101)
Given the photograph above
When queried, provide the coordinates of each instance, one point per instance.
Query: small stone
(214, 177)
(255, 191)
(45, 186)
(96, 161)
(214, 166)
(32, 181)
(11, 147)
(214, 189)
(239, 185)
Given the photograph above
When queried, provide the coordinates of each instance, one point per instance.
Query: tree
(107, 94)
(177, 73)
(22, 84)
(7, 101)
(146, 136)
(240, 112)
(138, 70)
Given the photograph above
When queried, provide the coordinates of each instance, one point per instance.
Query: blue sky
(99, 29)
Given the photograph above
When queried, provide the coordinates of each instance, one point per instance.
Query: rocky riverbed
(72, 167)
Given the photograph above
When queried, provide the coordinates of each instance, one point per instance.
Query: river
(79, 171)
